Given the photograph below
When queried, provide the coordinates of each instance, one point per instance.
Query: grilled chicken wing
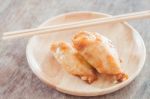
(72, 61)
(100, 53)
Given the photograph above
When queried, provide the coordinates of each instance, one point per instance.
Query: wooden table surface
(17, 80)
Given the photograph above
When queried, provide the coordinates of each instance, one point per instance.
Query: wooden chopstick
(57, 28)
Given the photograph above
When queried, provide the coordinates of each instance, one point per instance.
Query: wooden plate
(127, 40)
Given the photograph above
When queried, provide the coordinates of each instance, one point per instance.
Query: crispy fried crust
(72, 61)
(99, 52)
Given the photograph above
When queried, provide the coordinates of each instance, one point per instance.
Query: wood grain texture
(16, 79)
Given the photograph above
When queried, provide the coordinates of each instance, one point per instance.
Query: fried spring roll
(100, 53)
(72, 62)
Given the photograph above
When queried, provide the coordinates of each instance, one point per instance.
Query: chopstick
(57, 28)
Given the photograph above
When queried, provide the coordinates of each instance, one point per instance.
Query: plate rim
(103, 91)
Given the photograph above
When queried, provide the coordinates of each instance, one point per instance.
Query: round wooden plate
(127, 40)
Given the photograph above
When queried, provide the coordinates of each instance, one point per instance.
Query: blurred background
(16, 79)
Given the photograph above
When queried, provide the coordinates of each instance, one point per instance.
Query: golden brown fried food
(100, 53)
(72, 61)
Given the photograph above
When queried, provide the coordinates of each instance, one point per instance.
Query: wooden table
(17, 80)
